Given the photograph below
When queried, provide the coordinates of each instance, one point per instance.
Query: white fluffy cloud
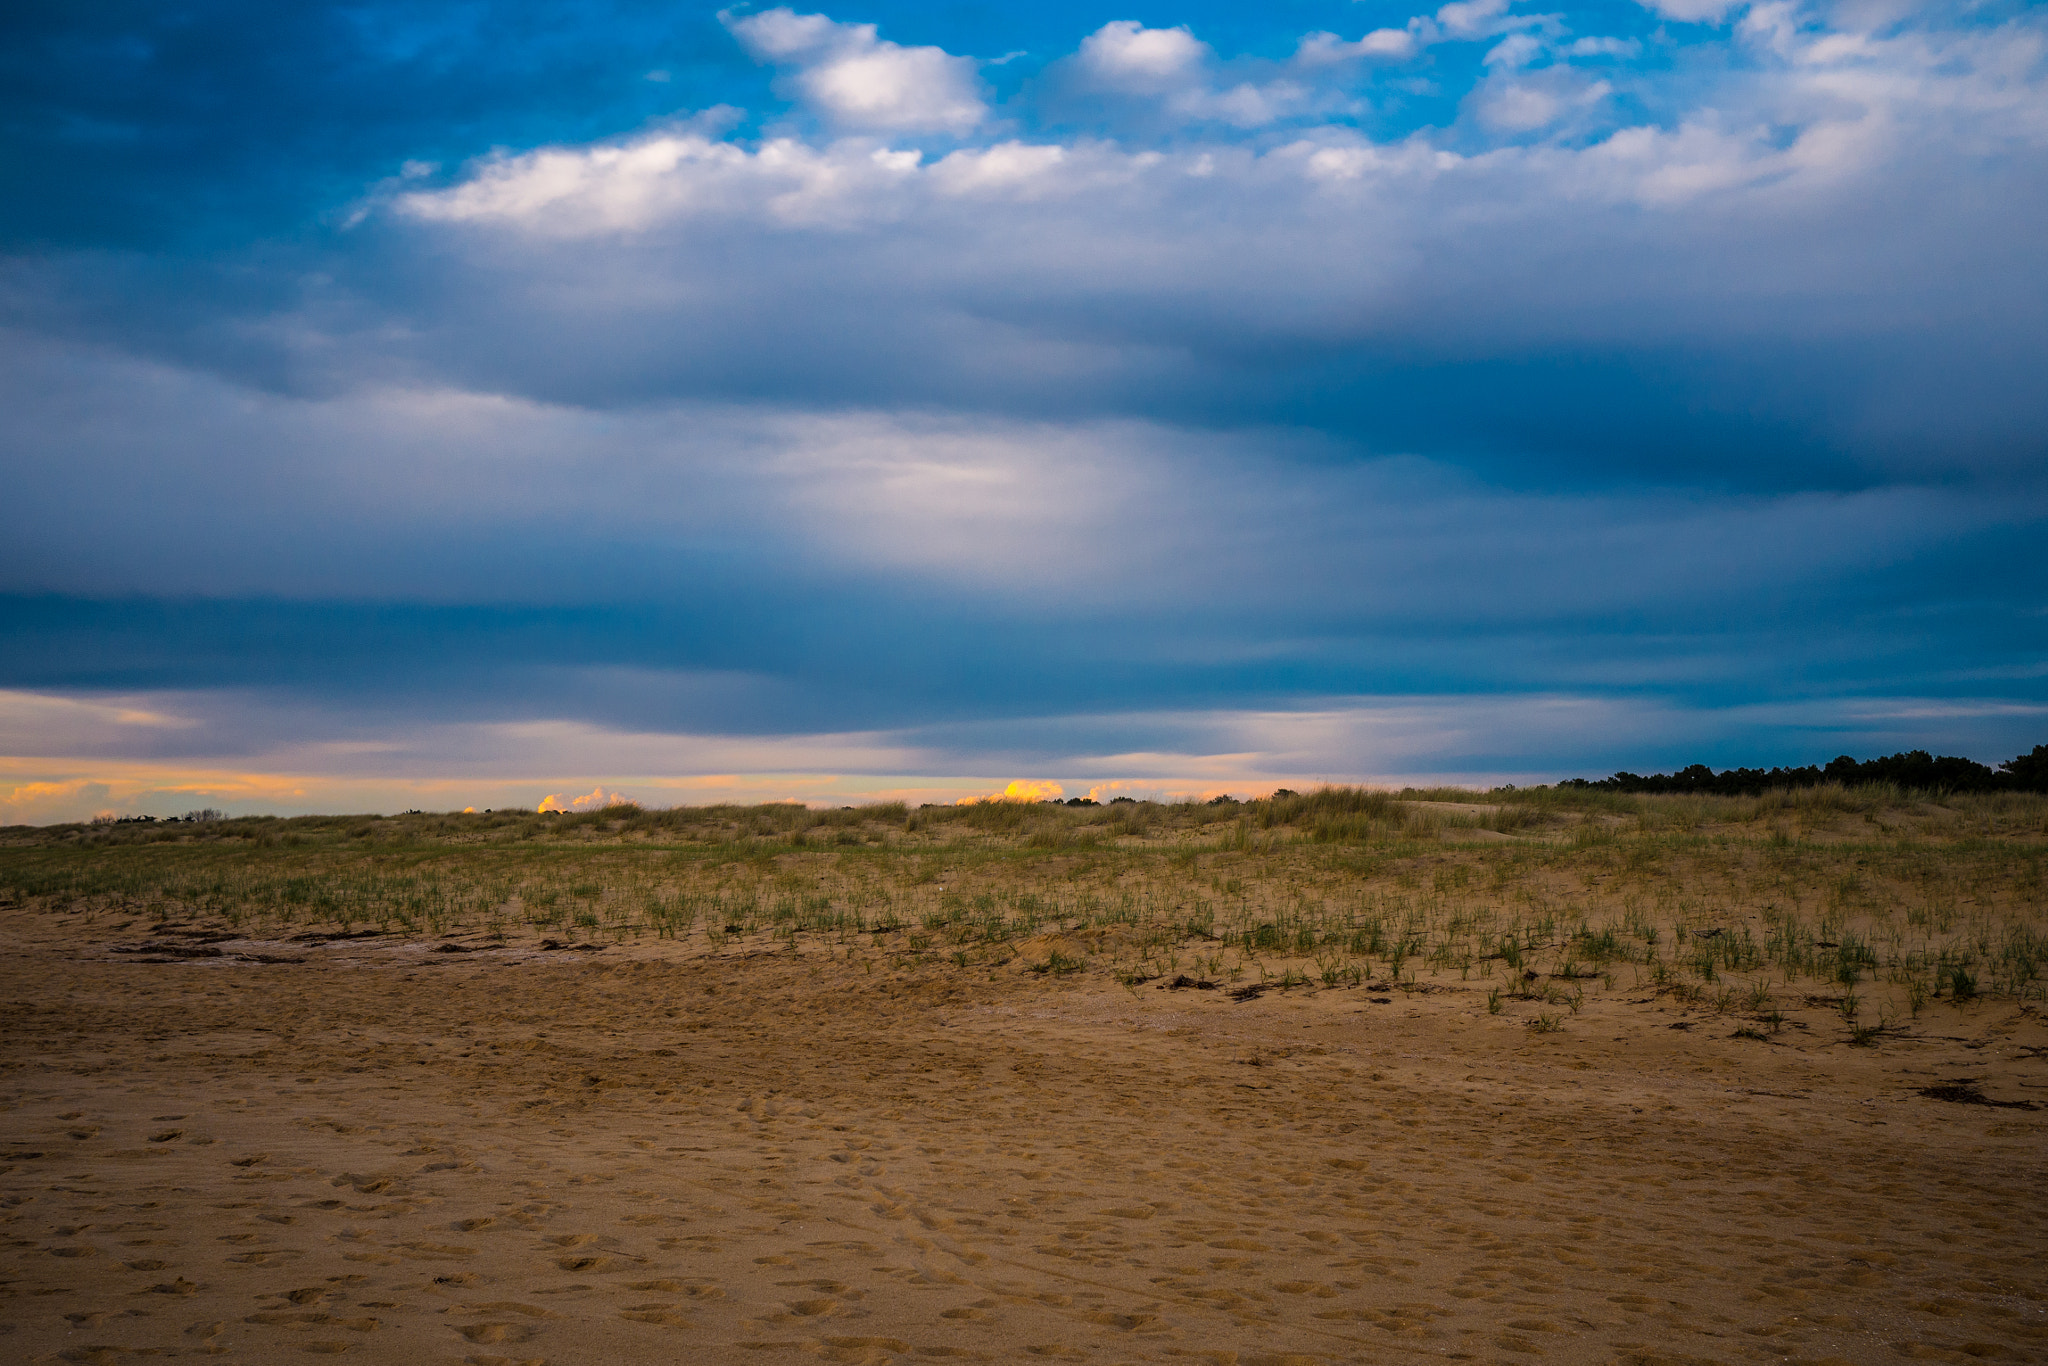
(597, 799)
(1516, 50)
(1527, 102)
(1475, 18)
(1846, 101)
(1693, 11)
(1307, 228)
(1382, 44)
(1173, 67)
(671, 175)
(1462, 21)
(859, 81)
(1096, 274)
(1125, 55)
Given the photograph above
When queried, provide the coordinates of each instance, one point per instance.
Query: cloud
(36, 791)
(1535, 100)
(1177, 280)
(983, 514)
(55, 724)
(1464, 21)
(1172, 66)
(1125, 55)
(669, 175)
(861, 82)
(48, 803)
(1382, 44)
(1474, 18)
(1137, 790)
(1719, 225)
(783, 34)
(1518, 49)
(1604, 47)
(597, 799)
(1020, 790)
(1693, 11)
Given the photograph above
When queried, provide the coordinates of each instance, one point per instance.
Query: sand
(661, 1152)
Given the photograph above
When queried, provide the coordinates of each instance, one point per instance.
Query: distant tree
(2028, 772)
(1914, 768)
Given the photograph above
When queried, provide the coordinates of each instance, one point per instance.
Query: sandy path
(642, 1155)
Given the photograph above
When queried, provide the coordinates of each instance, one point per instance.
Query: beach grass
(1879, 902)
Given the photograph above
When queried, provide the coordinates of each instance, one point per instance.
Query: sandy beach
(668, 1151)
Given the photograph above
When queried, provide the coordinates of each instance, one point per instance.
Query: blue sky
(471, 404)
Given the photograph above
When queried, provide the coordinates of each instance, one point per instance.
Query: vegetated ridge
(1915, 768)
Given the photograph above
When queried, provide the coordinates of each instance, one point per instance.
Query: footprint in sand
(589, 1263)
(663, 1315)
(532, 1311)
(695, 1292)
(431, 1252)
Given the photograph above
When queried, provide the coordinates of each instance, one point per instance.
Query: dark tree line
(1914, 768)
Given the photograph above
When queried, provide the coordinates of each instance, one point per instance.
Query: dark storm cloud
(147, 125)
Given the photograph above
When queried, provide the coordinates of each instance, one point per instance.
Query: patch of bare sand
(656, 1154)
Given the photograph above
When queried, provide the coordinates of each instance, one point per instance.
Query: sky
(488, 404)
